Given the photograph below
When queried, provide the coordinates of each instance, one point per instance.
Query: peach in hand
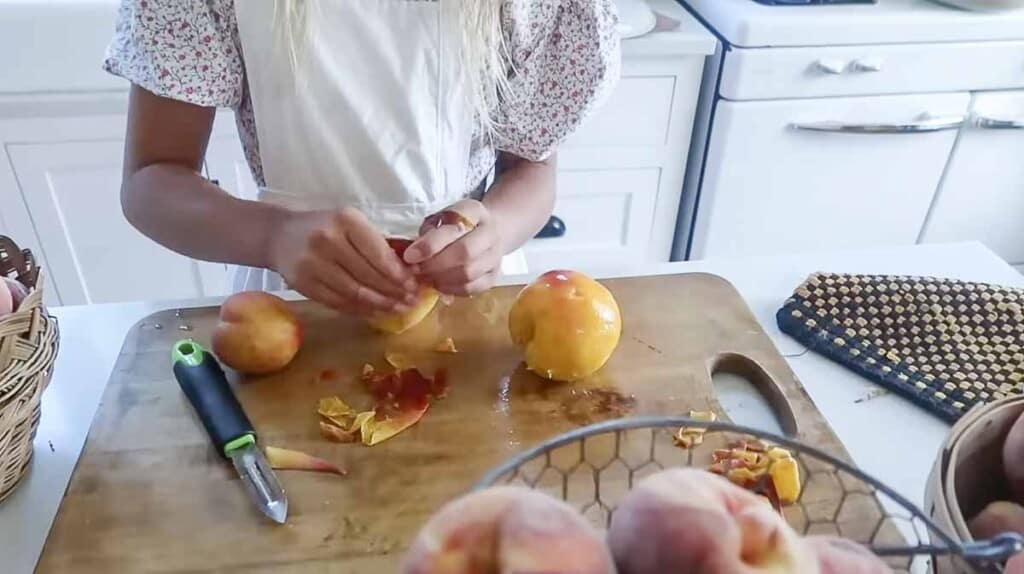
(997, 518)
(687, 520)
(566, 324)
(395, 323)
(257, 333)
(507, 530)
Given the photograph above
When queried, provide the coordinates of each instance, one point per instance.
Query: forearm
(181, 210)
(521, 199)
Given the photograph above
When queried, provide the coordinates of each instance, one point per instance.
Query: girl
(360, 119)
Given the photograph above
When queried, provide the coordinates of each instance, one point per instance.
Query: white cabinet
(620, 176)
(982, 193)
(69, 190)
(823, 174)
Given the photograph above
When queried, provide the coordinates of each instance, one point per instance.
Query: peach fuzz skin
(508, 530)
(257, 333)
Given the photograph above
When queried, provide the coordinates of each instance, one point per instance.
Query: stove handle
(998, 124)
(925, 125)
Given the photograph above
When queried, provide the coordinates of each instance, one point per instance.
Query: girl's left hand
(458, 255)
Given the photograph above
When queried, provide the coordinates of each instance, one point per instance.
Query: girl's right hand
(338, 259)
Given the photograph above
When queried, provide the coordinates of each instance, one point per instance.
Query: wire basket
(592, 468)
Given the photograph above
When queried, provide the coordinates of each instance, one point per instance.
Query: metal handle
(998, 124)
(925, 125)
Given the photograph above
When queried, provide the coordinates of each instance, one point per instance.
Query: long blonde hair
(486, 59)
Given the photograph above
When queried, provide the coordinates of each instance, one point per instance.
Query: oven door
(789, 176)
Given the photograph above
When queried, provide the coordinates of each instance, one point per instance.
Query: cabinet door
(93, 254)
(982, 194)
(801, 175)
(608, 216)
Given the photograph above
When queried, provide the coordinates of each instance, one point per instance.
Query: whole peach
(997, 518)
(257, 333)
(566, 324)
(687, 520)
(507, 530)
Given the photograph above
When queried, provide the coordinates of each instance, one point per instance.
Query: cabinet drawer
(772, 189)
(774, 73)
(636, 114)
(608, 216)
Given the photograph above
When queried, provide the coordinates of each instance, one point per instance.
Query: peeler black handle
(203, 381)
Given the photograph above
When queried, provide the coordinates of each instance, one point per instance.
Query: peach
(1013, 459)
(507, 530)
(687, 520)
(395, 323)
(1015, 565)
(257, 333)
(841, 556)
(566, 324)
(997, 518)
(6, 299)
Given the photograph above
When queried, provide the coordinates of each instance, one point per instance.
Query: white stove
(827, 127)
(744, 23)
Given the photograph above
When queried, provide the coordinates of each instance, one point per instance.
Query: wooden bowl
(968, 473)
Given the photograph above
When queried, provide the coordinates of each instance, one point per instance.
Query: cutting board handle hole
(750, 396)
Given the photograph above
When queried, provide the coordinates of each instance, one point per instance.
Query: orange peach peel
(689, 437)
(285, 459)
(401, 398)
(446, 346)
(763, 468)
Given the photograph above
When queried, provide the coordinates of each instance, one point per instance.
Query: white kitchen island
(91, 338)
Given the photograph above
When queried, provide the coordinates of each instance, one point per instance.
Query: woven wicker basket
(28, 347)
(968, 472)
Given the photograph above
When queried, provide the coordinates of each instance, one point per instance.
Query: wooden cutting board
(150, 494)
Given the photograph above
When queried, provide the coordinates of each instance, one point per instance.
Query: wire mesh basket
(593, 468)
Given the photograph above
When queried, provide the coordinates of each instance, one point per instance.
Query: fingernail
(414, 254)
(411, 285)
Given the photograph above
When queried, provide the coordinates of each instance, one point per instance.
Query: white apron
(374, 117)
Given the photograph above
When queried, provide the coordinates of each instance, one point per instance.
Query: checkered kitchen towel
(946, 345)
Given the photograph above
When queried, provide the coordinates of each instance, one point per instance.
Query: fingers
(433, 242)
(478, 244)
(356, 293)
(445, 228)
(468, 270)
(361, 269)
(374, 249)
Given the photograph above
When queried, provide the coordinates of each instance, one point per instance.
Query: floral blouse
(565, 53)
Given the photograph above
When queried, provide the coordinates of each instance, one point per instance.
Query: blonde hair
(486, 60)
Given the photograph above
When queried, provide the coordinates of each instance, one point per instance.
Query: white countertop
(91, 339)
(748, 24)
(60, 43)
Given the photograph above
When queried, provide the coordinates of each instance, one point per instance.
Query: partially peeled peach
(566, 324)
(395, 323)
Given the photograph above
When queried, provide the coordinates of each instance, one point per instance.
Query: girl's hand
(338, 259)
(458, 255)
